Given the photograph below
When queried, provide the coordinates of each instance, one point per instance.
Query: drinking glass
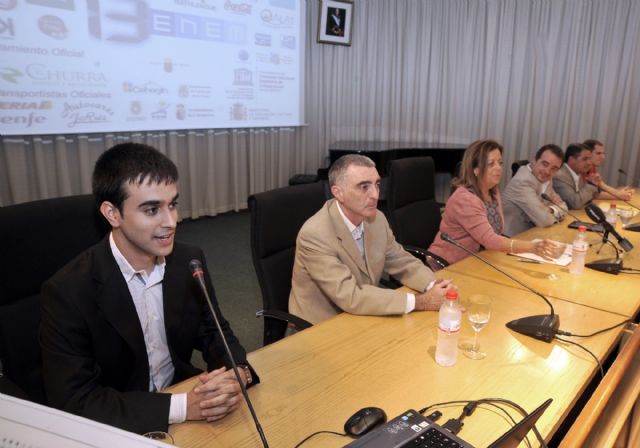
(559, 249)
(478, 315)
(625, 216)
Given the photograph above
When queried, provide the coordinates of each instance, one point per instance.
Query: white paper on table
(563, 260)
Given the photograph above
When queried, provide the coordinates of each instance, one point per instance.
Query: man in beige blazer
(343, 250)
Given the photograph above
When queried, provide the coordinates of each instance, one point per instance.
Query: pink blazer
(465, 220)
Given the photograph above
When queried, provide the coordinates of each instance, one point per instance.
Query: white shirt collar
(576, 178)
(348, 222)
(127, 270)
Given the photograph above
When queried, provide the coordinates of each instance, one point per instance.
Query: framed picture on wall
(335, 22)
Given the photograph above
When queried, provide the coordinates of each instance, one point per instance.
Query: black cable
(319, 432)
(629, 269)
(566, 333)
(631, 273)
(488, 401)
(586, 350)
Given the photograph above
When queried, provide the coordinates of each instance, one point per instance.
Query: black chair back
(276, 219)
(515, 166)
(414, 214)
(39, 238)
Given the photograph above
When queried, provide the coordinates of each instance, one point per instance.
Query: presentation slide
(81, 66)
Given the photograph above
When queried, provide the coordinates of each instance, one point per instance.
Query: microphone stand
(542, 327)
(196, 269)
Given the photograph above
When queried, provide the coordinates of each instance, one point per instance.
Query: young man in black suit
(120, 321)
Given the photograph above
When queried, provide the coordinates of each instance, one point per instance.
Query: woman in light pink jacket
(473, 214)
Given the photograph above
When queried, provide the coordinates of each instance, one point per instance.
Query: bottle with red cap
(579, 251)
(449, 321)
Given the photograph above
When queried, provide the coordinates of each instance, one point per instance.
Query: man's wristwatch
(247, 373)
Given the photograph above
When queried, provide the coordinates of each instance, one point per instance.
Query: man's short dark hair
(574, 150)
(555, 150)
(592, 143)
(129, 163)
(340, 166)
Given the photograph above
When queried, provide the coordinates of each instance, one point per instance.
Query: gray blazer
(523, 205)
(330, 275)
(575, 198)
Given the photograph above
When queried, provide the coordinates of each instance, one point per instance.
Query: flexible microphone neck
(615, 195)
(450, 240)
(564, 209)
(195, 266)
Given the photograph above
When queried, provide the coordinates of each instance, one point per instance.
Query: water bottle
(449, 320)
(612, 215)
(579, 251)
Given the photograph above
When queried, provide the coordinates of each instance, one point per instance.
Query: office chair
(276, 219)
(515, 166)
(414, 214)
(38, 239)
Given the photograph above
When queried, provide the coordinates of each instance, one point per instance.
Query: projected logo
(149, 87)
(288, 42)
(276, 19)
(43, 74)
(288, 4)
(7, 30)
(198, 4)
(181, 113)
(243, 55)
(237, 112)
(7, 4)
(23, 121)
(133, 21)
(10, 74)
(242, 77)
(59, 4)
(135, 107)
(264, 40)
(85, 113)
(53, 26)
(194, 91)
(36, 105)
(238, 8)
(161, 112)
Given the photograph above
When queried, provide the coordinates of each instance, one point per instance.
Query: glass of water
(478, 315)
(625, 216)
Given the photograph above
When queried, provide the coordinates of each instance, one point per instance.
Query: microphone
(195, 266)
(578, 222)
(542, 327)
(546, 197)
(596, 214)
(625, 174)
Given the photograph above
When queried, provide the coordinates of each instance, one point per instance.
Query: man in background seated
(606, 191)
(522, 201)
(343, 250)
(121, 320)
(571, 181)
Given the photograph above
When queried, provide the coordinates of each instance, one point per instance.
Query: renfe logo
(27, 120)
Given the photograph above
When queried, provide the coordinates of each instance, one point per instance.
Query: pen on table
(526, 260)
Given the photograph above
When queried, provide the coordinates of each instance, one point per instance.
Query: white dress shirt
(146, 292)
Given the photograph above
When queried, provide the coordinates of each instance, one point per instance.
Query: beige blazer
(330, 276)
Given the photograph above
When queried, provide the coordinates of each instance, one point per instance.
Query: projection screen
(82, 66)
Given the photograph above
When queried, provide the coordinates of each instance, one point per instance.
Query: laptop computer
(411, 429)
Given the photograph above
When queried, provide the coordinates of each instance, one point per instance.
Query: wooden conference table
(317, 378)
(618, 294)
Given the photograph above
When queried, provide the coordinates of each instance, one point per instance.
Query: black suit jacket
(94, 357)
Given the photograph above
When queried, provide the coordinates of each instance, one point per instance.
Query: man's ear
(111, 213)
(336, 191)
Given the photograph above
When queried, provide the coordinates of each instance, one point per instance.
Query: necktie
(358, 236)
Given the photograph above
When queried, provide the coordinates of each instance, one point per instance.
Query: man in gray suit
(343, 250)
(572, 182)
(522, 200)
